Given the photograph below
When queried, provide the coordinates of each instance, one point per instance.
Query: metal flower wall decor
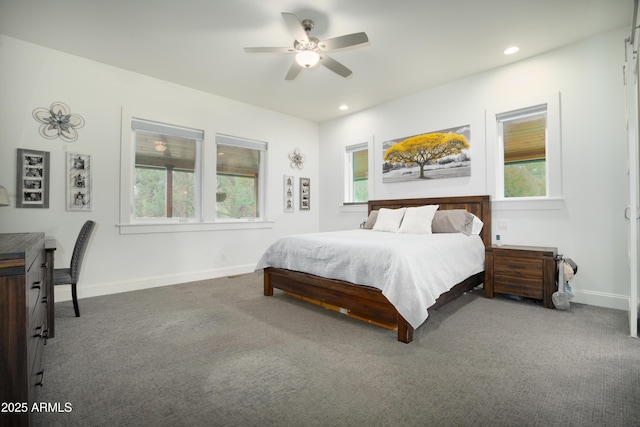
(297, 159)
(58, 122)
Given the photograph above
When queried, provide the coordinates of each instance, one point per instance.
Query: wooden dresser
(24, 314)
(526, 271)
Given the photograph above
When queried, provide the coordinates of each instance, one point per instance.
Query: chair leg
(74, 295)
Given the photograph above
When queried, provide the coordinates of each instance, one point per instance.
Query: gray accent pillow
(371, 220)
(452, 221)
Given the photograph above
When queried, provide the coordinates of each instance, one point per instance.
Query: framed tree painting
(32, 183)
(78, 182)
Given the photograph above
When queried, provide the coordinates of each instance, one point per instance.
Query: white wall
(32, 76)
(588, 226)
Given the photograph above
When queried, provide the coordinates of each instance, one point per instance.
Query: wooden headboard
(480, 206)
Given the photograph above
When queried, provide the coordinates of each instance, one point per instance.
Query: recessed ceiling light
(343, 107)
(511, 50)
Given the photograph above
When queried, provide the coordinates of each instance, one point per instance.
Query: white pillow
(418, 220)
(476, 226)
(389, 219)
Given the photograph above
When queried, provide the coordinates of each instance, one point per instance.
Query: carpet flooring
(219, 353)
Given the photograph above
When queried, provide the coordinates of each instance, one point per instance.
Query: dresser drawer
(35, 282)
(37, 332)
(36, 373)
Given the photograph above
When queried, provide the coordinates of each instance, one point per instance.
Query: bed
(368, 302)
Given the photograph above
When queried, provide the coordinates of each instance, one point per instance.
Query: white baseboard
(63, 293)
(601, 299)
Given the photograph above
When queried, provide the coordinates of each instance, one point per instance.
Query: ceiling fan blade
(295, 27)
(341, 42)
(269, 49)
(294, 71)
(335, 66)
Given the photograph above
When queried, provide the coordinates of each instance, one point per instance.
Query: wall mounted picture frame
(432, 155)
(305, 194)
(288, 193)
(78, 182)
(32, 180)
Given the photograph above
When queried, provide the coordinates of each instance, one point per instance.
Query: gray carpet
(219, 353)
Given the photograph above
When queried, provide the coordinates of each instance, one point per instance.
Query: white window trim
(554, 198)
(207, 184)
(349, 147)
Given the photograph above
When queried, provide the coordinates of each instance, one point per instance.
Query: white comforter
(411, 270)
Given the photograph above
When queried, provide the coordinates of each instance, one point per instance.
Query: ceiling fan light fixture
(160, 146)
(307, 58)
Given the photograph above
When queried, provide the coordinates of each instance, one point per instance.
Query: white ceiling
(414, 44)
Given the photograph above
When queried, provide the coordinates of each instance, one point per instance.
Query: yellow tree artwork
(443, 154)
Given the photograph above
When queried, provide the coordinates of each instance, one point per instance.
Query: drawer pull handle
(518, 266)
(38, 333)
(516, 285)
(36, 285)
(41, 382)
(44, 265)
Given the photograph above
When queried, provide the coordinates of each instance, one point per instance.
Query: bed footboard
(362, 302)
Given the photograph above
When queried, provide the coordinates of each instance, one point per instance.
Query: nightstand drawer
(520, 286)
(518, 267)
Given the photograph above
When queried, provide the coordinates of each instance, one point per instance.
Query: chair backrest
(80, 248)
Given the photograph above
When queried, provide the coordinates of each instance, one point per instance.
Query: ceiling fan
(310, 51)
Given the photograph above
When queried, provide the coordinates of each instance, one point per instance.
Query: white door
(631, 81)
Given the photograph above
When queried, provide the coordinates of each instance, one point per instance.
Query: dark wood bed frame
(368, 303)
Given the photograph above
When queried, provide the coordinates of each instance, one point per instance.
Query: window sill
(192, 226)
(354, 208)
(527, 204)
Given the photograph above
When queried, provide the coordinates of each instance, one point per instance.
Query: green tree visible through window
(525, 179)
(240, 197)
(183, 194)
(151, 193)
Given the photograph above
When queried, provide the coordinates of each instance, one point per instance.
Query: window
(357, 173)
(524, 153)
(181, 178)
(523, 140)
(166, 175)
(240, 179)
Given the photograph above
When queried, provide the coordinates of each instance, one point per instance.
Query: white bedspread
(411, 270)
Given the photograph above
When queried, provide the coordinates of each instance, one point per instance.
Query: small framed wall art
(32, 183)
(305, 194)
(288, 193)
(78, 182)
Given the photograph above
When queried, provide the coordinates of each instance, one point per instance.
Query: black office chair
(69, 276)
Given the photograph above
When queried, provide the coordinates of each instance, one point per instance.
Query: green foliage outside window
(151, 193)
(361, 190)
(525, 179)
(239, 197)
(183, 194)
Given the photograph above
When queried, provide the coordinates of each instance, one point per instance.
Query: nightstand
(526, 271)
